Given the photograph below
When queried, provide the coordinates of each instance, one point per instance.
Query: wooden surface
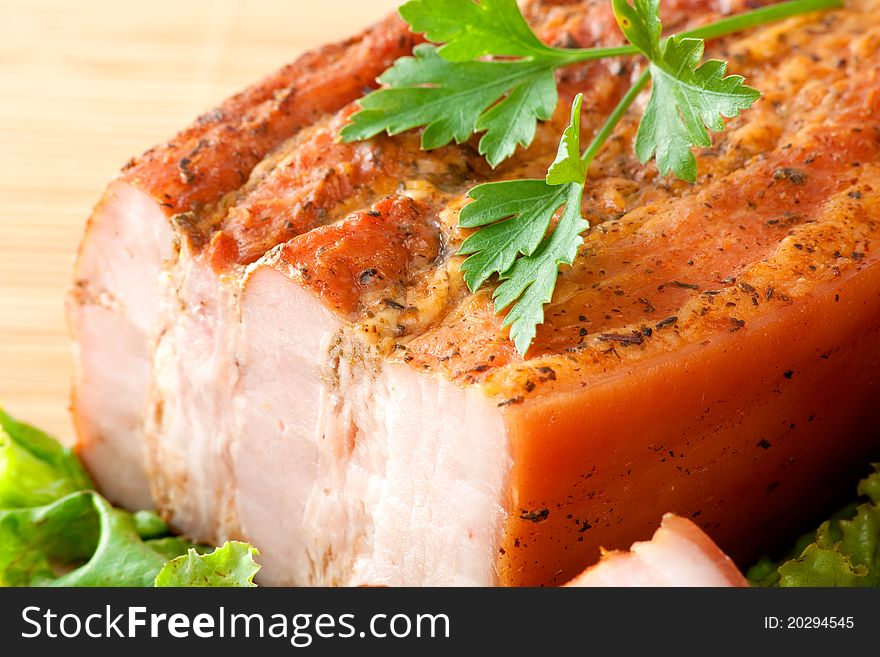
(84, 85)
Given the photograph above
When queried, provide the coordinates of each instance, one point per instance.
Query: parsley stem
(760, 16)
(723, 27)
(567, 56)
(614, 118)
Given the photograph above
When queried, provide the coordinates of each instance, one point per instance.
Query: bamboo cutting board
(84, 85)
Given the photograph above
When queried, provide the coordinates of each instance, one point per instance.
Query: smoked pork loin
(274, 343)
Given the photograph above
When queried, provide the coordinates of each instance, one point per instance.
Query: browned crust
(217, 152)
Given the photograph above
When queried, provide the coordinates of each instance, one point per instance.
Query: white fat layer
(351, 470)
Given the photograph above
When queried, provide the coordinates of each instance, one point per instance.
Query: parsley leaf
(513, 242)
(518, 213)
(469, 30)
(532, 279)
(456, 99)
(685, 100)
(454, 94)
(569, 166)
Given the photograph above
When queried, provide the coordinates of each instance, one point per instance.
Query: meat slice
(360, 453)
(159, 211)
(314, 376)
(112, 312)
(679, 554)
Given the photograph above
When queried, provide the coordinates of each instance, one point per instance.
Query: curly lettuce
(230, 565)
(843, 551)
(35, 469)
(55, 530)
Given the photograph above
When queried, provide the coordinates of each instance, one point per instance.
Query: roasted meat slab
(274, 342)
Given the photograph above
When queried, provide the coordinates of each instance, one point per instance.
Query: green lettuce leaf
(79, 540)
(56, 531)
(843, 551)
(121, 557)
(148, 524)
(38, 544)
(230, 565)
(34, 468)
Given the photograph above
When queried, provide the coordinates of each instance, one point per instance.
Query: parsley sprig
(492, 75)
(515, 246)
(685, 100)
(453, 93)
(516, 215)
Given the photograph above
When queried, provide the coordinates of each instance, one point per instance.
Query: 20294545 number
(809, 622)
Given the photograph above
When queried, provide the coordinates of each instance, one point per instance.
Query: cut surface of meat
(112, 311)
(379, 477)
(283, 349)
(159, 214)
